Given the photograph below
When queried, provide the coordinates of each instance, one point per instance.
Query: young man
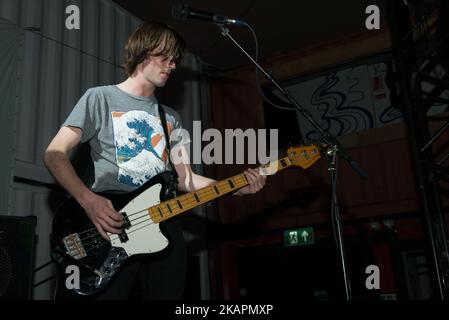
(128, 147)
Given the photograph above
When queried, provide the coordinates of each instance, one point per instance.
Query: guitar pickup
(123, 236)
(126, 223)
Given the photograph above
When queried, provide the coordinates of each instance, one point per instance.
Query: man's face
(157, 69)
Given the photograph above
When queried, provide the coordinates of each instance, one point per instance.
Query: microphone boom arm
(326, 137)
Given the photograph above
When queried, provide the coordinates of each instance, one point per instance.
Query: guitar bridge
(74, 247)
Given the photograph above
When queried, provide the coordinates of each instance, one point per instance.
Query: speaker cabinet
(17, 245)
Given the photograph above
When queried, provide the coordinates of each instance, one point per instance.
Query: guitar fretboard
(188, 201)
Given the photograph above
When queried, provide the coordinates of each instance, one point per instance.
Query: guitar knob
(122, 254)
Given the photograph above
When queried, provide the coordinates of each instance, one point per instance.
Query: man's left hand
(256, 182)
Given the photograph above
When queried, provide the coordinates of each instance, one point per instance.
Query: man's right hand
(99, 210)
(102, 214)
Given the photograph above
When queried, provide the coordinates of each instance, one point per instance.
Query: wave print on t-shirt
(140, 146)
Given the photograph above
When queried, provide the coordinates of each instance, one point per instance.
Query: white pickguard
(144, 237)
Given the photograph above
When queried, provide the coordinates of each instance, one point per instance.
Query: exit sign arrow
(298, 237)
(305, 235)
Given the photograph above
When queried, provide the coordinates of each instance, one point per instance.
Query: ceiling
(281, 26)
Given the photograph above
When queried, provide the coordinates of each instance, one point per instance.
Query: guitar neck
(188, 201)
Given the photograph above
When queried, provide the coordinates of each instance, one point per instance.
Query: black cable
(259, 85)
(247, 9)
(43, 266)
(334, 202)
(39, 33)
(43, 281)
(217, 41)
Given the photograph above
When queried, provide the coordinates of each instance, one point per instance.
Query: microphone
(183, 12)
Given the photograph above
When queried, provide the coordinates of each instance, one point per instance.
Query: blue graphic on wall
(390, 114)
(347, 101)
(340, 111)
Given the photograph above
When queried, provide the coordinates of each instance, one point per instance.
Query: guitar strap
(167, 138)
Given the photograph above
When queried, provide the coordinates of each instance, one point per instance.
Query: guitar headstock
(303, 156)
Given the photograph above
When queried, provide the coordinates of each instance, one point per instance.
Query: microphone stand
(334, 149)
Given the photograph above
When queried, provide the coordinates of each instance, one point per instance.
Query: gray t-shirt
(126, 137)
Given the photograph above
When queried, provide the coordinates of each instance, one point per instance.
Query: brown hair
(146, 39)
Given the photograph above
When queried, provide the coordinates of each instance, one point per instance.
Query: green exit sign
(298, 237)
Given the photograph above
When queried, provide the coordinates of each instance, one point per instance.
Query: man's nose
(172, 64)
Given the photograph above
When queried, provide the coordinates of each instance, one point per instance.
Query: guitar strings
(104, 241)
(235, 179)
(239, 179)
(188, 201)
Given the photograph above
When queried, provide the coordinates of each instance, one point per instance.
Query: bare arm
(57, 161)
(189, 181)
(99, 209)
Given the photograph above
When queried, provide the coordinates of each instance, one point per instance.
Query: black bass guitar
(76, 241)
